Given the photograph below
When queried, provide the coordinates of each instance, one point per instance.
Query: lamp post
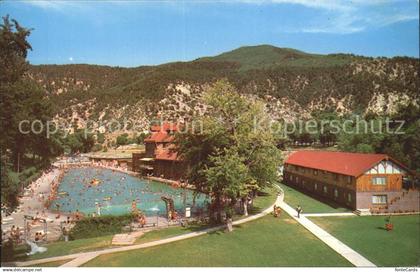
(156, 209)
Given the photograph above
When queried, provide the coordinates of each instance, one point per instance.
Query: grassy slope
(399, 247)
(267, 241)
(266, 56)
(308, 204)
(63, 248)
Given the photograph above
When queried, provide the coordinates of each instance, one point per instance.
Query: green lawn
(309, 204)
(265, 199)
(366, 235)
(267, 241)
(63, 248)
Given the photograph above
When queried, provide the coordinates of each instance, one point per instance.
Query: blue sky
(133, 33)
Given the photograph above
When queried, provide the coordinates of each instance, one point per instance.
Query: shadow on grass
(255, 210)
(20, 253)
(262, 194)
(310, 194)
(217, 232)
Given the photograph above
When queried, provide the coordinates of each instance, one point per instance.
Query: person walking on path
(299, 210)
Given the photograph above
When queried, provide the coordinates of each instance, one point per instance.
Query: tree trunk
(229, 224)
(245, 205)
(216, 210)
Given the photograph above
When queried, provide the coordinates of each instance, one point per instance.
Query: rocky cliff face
(290, 87)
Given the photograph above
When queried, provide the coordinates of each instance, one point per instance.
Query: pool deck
(171, 182)
(31, 203)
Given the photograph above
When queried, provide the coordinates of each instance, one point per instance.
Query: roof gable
(165, 126)
(167, 154)
(159, 137)
(386, 167)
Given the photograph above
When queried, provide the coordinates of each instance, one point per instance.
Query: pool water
(115, 192)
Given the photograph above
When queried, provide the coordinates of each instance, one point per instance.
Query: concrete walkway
(125, 239)
(79, 259)
(342, 249)
(327, 214)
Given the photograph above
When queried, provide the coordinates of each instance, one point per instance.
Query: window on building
(379, 199)
(379, 180)
(349, 179)
(297, 179)
(325, 189)
(336, 177)
(315, 172)
(348, 197)
(335, 193)
(303, 182)
(316, 186)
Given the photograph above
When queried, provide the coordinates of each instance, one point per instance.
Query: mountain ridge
(291, 82)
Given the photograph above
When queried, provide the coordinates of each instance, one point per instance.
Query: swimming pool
(114, 193)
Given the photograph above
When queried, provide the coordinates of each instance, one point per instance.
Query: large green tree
(396, 135)
(21, 99)
(231, 151)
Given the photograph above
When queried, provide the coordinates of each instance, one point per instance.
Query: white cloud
(57, 5)
(345, 17)
(71, 59)
(46, 4)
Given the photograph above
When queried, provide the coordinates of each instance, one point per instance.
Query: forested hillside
(293, 83)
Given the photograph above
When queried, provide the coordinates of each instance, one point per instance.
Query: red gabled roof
(165, 126)
(166, 154)
(159, 137)
(351, 164)
(161, 133)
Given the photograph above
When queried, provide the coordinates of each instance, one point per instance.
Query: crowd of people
(52, 203)
(31, 216)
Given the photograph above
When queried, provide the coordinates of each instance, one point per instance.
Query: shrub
(7, 251)
(90, 227)
(28, 172)
(96, 148)
(100, 138)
